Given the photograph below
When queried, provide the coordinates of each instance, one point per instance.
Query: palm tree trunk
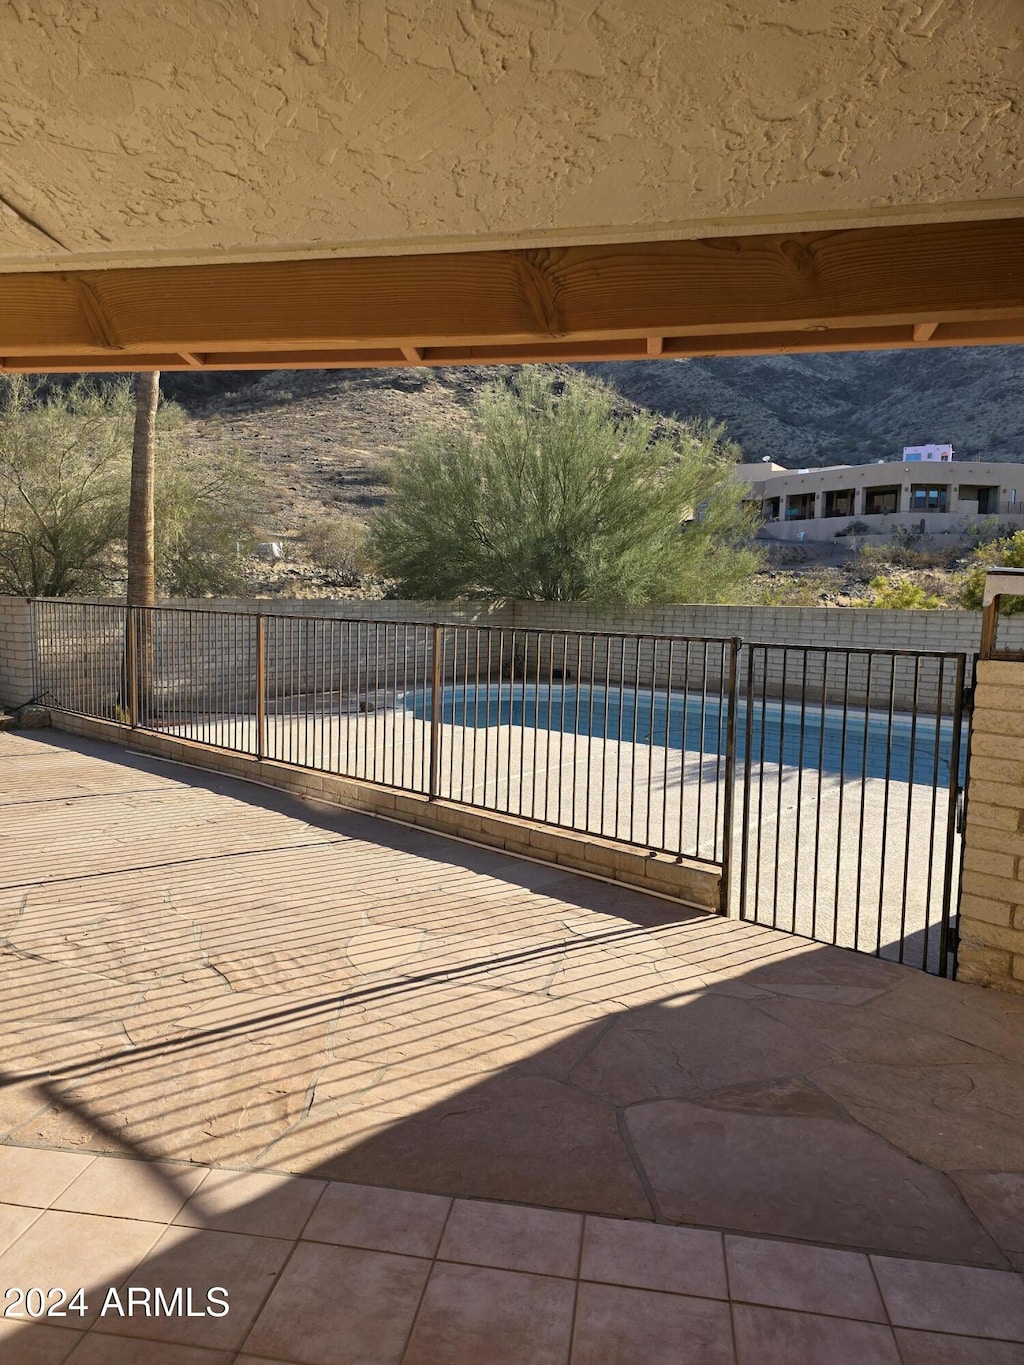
(141, 570)
(141, 566)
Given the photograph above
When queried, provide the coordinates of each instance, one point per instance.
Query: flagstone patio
(202, 972)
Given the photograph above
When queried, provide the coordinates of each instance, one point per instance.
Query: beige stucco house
(818, 504)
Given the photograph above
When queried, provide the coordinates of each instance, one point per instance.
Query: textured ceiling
(145, 132)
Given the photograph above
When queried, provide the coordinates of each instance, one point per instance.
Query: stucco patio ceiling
(378, 183)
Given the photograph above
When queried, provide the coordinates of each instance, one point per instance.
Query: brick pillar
(17, 651)
(992, 890)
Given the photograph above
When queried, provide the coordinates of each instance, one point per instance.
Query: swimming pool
(855, 743)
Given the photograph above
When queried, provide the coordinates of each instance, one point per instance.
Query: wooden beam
(748, 343)
(866, 287)
(104, 333)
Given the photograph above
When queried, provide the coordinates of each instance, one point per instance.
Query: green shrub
(903, 594)
(1007, 553)
(338, 547)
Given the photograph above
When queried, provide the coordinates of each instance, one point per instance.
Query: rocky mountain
(845, 408)
(324, 437)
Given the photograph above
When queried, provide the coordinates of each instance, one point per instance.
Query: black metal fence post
(261, 686)
(132, 653)
(735, 646)
(947, 940)
(435, 713)
(748, 749)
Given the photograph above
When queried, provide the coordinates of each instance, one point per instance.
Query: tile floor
(320, 1272)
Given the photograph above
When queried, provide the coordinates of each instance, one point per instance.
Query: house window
(839, 503)
(799, 506)
(878, 501)
(929, 497)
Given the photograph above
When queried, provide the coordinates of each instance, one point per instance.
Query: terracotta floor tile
(931, 1348)
(100, 1348)
(774, 1336)
(35, 1176)
(338, 1303)
(499, 1316)
(14, 1219)
(509, 1237)
(249, 1201)
(184, 1258)
(813, 1279)
(35, 1344)
(77, 1250)
(151, 1190)
(653, 1256)
(378, 1219)
(616, 1326)
(952, 1298)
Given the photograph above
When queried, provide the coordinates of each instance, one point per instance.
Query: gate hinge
(961, 809)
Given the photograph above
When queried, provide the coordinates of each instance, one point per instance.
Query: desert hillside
(324, 437)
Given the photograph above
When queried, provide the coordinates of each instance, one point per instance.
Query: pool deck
(233, 990)
(818, 843)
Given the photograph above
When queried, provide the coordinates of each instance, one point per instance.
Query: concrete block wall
(207, 660)
(926, 684)
(992, 887)
(17, 652)
(470, 613)
(850, 627)
(204, 661)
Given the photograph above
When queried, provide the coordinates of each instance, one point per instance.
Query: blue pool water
(864, 745)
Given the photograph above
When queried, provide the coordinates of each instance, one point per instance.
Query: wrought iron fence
(853, 763)
(835, 773)
(80, 657)
(628, 737)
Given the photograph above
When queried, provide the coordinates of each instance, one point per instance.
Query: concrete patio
(206, 974)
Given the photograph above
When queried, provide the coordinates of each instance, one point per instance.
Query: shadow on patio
(200, 971)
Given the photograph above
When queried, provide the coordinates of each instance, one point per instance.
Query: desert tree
(141, 591)
(65, 480)
(64, 467)
(549, 492)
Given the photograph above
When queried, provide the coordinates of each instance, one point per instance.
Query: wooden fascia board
(814, 291)
(765, 343)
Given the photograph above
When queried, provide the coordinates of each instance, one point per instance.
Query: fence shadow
(562, 1043)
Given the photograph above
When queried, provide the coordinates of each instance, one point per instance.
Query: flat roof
(756, 472)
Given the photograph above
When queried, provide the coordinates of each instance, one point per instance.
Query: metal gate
(852, 769)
